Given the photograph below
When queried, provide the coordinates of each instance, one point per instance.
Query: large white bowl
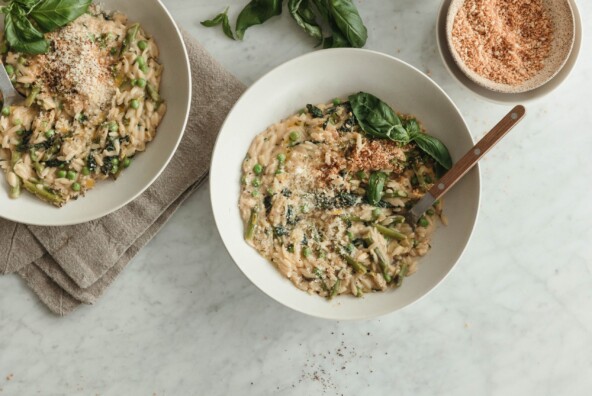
(109, 196)
(317, 78)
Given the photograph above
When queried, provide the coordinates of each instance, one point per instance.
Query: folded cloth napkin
(68, 266)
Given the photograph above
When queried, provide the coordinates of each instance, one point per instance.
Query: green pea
(22, 60)
(255, 193)
(258, 169)
(140, 82)
(336, 101)
(61, 174)
(85, 171)
(281, 157)
(256, 182)
(75, 186)
(49, 133)
(17, 121)
(423, 222)
(306, 252)
(134, 104)
(115, 161)
(427, 178)
(127, 162)
(376, 212)
(294, 136)
(437, 202)
(113, 127)
(142, 44)
(9, 69)
(141, 61)
(115, 169)
(6, 111)
(430, 212)
(71, 175)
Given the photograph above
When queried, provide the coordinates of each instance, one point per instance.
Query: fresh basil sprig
(379, 120)
(26, 21)
(341, 16)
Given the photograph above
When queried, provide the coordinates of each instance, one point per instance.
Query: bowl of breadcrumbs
(510, 46)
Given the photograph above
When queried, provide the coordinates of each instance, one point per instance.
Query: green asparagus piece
(38, 167)
(335, 288)
(153, 93)
(43, 194)
(381, 260)
(358, 267)
(32, 95)
(401, 275)
(15, 191)
(396, 194)
(132, 32)
(389, 232)
(252, 224)
(321, 277)
(375, 187)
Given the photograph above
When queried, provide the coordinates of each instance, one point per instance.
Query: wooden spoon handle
(469, 160)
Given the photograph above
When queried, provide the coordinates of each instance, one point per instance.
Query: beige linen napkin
(67, 266)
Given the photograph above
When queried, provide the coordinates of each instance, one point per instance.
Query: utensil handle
(468, 161)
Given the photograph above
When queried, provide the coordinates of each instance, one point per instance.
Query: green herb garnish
(377, 119)
(26, 21)
(341, 16)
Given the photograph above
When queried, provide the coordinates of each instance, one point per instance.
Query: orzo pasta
(92, 103)
(305, 202)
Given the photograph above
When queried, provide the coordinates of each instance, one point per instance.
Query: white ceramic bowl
(500, 97)
(109, 196)
(316, 78)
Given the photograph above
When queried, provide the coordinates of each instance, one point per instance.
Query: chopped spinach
(314, 111)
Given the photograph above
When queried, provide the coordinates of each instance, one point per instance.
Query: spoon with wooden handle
(465, 164)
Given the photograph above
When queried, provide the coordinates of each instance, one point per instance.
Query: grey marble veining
(514, 317)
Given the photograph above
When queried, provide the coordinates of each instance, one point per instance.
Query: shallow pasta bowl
(109, 195)
(317, 78)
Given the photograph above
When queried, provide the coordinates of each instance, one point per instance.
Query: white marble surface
(514, 318)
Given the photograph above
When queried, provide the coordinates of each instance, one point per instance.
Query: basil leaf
(377, 118)
(348, 20)
(226, 27)
(22, 35)
(221, 18)
(305, 17)
(434, 148)
(53, 14)
(215, 21)
(255, 13)
(412, 127)
(375, 187)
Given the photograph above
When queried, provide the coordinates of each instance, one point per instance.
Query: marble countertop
(514, 318)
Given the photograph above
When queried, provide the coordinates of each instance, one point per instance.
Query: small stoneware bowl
(562, 17)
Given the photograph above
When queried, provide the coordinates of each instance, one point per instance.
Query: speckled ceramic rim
(499, 97)
(46, 215)
(562, 44)
(224, 197)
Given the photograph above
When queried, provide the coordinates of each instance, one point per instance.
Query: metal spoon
(9, 93)
(465, 164)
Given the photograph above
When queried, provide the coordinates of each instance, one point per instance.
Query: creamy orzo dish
(325, 203)
(92, 103)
